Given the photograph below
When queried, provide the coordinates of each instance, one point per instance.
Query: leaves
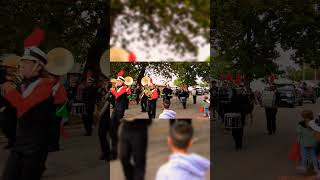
(175, 23)
(70, 24)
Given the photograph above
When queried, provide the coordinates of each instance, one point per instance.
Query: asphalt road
(264, 157)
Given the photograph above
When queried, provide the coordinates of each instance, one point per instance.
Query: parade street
(79, 158)
(192, 111)
(263, 157)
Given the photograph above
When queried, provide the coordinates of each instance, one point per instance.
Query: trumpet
(9, 70)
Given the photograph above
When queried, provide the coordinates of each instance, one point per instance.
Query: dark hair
(181, 134)
(166, 104)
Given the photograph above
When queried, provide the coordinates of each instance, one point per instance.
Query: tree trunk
(101, 42)
(141, 74)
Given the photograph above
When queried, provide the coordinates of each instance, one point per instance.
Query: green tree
(186, 72)
(244, 36)
(299, 30)
(69, 24)
(174, 22)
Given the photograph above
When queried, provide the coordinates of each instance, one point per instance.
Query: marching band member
(9, 122)
(133, 145)
(167, 91)
(33, 103)
(128, 94)
(89, 97)
(60, 97)
(239, 102)
(138, 92)
(120, 94)
(184, 94)
(104, 123)
(8, 112)
(144, 100)
(152, 102)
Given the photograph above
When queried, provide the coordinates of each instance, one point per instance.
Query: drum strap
(30, 88)
(55, 88)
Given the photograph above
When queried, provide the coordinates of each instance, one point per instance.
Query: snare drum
(78, 109)
(183, 99)
(232, 120)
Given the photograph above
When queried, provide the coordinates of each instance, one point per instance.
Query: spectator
(167, 113)
(307, 142)
(181, 165)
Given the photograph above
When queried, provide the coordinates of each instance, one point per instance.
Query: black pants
(116, 116)
(127, 103)
(138, 99)
(184, 102)
(152, 107)
(133, 146)
(194, 99)
(237, 135)
(21, 166)
(88, 119)
(54, 135)
(9, 126)
(271, 114)
(144, 104)
(104, 128)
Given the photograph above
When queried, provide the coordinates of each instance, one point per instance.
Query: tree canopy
(246, 33)
(185, 72)
(175, 23)
(69, 24)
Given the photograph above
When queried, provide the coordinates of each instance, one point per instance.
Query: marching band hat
(35, 54)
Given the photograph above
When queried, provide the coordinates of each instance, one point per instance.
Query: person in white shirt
(194, 94)
(167, 113)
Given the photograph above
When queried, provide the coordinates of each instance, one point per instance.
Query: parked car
(309, 94)
(200, 91)
(289, 95)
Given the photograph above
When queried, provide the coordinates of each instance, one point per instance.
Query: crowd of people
(32, 119)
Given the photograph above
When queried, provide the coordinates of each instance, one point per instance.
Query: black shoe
(88, 134)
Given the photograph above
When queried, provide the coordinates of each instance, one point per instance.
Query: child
(307, 142)
(206, 104)
(167, 114)
(181, 165)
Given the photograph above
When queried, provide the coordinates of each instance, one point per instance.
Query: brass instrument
(118, 55)
(128, 81)
(113, 82)
(145, 81)
(11, 64)
(105, 64)
(60, 61)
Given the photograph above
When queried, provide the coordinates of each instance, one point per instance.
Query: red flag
(35, 38)
(132, 57)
